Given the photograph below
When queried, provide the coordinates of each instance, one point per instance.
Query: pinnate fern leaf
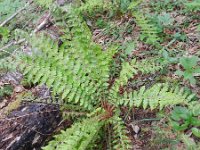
(121, 140)
(145, 66)
(159, 95)
(76, 71)
(149, 33)
(78, 137)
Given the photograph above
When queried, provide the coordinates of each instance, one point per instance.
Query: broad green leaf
(189, 62)
(196, 132)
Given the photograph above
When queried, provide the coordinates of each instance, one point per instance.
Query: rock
(19, 89)
(13, 78)
(136, 129)
(63, 2)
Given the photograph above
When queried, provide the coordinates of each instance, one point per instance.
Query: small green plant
(190, 67)
(161, 21)
(165, 5)
(128, 47)
(193, 5)
(165, 19)
(4, 34)
(189, 142)
(101, 23)
(167, 58)
(179, 36)
(5, 90)
(183, 118)
(124, 4)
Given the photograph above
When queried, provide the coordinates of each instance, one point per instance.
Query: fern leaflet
(78, 137)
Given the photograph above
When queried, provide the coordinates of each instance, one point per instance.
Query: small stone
(136, 129)
(60, 2)
(63, 2)
(19, 89)
(136, 136)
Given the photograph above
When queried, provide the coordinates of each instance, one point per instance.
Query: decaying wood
(12, 78)
(29, 126)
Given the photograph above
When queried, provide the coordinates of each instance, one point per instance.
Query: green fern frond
(78, 137)
(194, 107)
(121, 140)
(145, 66)
(149, 33)
(159, 95)
(135, 4)
(78, 71)
(92, 6)
(126, 73)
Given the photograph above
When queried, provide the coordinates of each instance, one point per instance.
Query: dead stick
(43, 24)
(11, 44)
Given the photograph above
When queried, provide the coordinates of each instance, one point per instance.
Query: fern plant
(149, 32)
(190, 65)
(133, 68)
(78, 72)
(159, 95)
(120, 139)
(98, 5)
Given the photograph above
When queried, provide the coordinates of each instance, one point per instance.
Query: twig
(11, 44)
(15, 14)
(5, 51)
(43, 23)
(148, 119)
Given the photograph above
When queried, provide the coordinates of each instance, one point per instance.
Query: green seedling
(183, 118)
(190, 68)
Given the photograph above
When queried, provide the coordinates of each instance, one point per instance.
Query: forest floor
(178, 28)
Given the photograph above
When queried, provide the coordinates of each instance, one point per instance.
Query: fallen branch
(43, 23)
(11, 44)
